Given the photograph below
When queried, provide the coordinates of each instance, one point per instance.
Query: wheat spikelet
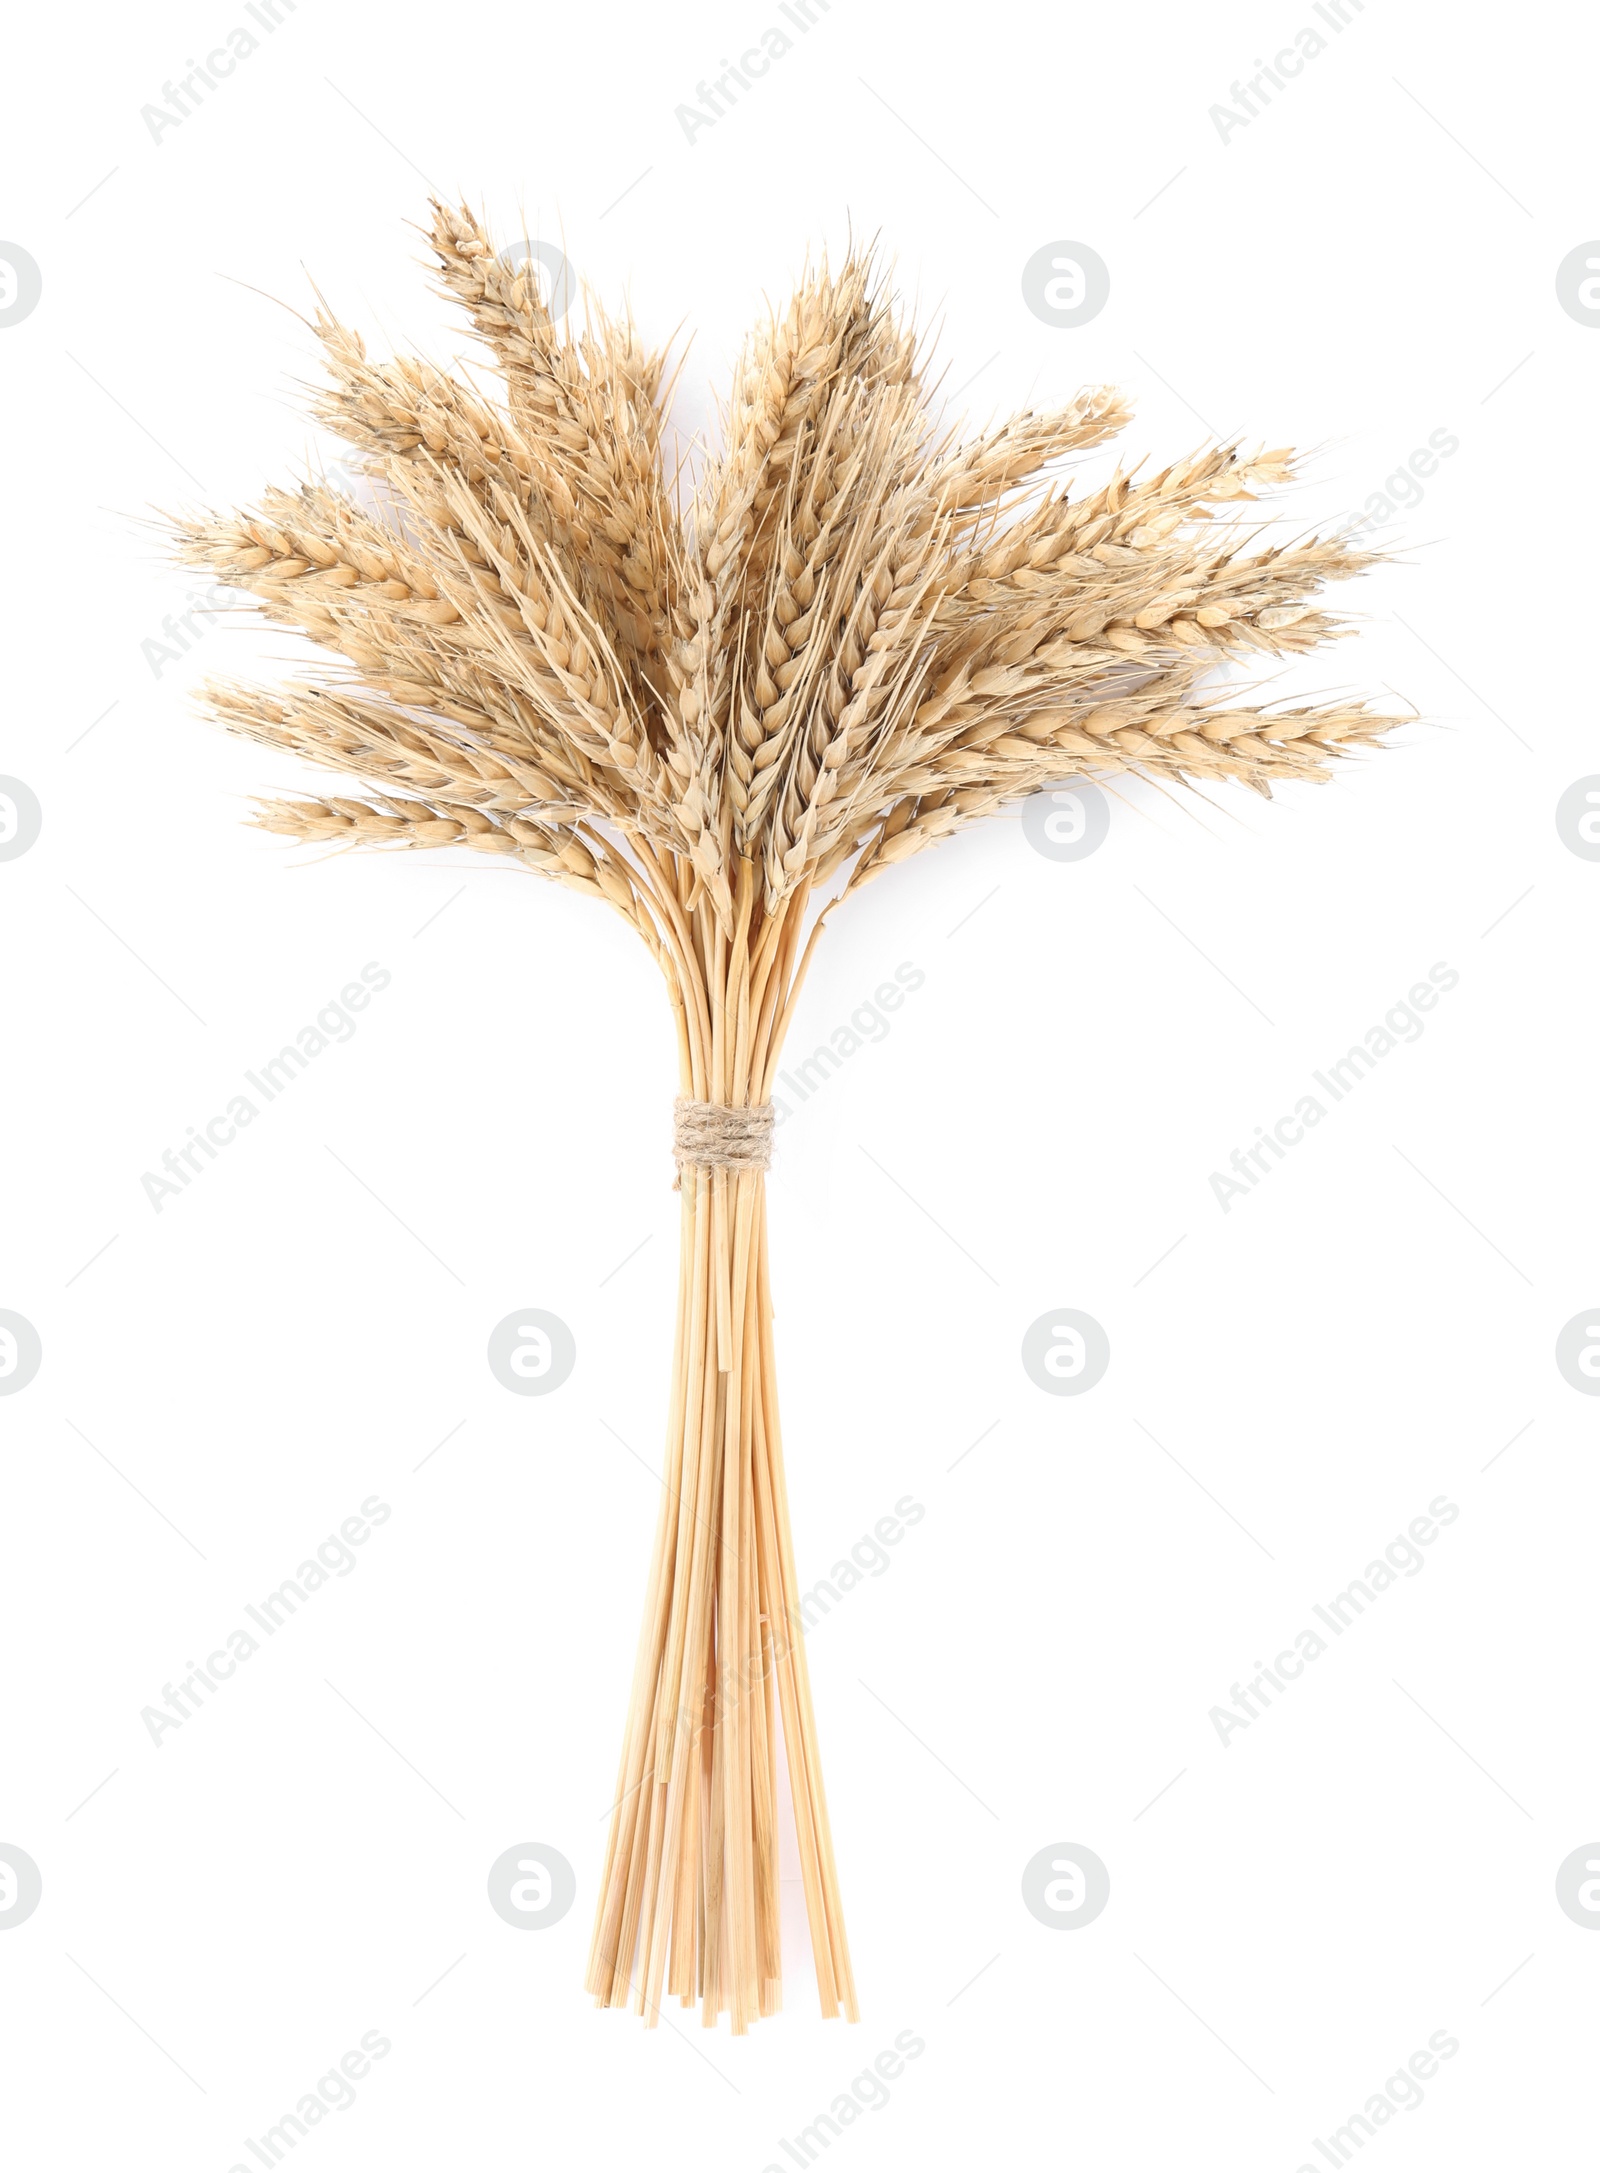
(860, 633)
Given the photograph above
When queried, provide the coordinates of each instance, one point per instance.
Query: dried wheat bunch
(720, 717)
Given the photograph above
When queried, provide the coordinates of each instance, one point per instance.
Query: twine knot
(709, 1135)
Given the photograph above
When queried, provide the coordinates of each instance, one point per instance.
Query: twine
(708, 1135)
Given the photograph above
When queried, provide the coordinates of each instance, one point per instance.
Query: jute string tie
(708, 1135)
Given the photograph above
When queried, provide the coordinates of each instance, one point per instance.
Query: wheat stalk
(719, 718)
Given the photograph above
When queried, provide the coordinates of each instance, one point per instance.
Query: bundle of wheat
(721, 718)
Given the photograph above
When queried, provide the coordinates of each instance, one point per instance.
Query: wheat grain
(861, 633)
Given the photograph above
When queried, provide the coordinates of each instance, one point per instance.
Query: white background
(1370, 260)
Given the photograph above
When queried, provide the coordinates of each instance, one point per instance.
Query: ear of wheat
(720, 718)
